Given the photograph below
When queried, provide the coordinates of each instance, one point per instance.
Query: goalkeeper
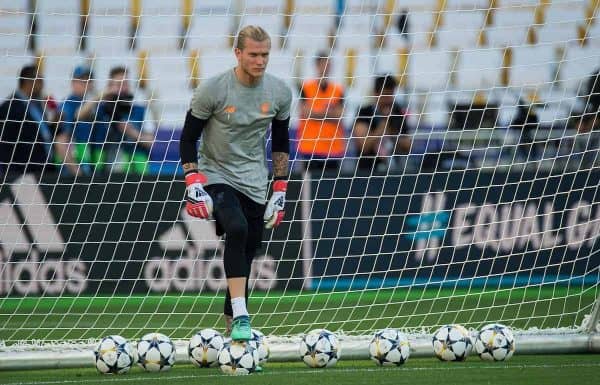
(228, 178)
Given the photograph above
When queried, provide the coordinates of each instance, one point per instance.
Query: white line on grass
(309, 371)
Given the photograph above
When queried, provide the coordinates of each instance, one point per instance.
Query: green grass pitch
(357, 312)
(525, 370)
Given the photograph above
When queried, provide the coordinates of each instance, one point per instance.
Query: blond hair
(253, 32)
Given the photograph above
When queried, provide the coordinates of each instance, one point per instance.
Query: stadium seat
(506, 36)
(561, 20)
(58, 26)
(478, 69)
(160, 28)
(355, 31)
(463, 20)
(559, 34)
(309, 33)
(428, 70)
(566, 11)
(387, 61)
(482, 5)
(108, 27)
(216, 62)
(532, 66)
(269, 15)
(14, 27)
(514, 17)
(577, 65)
(312, 23)
(169, 86)
(361, 82)
(283, 64)
(416, 5)
(420, 25)
(169, 75)
(517, 3)
(460, 29)
(210, 32)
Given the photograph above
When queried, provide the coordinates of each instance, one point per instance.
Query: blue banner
(456, 228)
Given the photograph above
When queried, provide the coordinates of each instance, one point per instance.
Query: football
(452, 343)
(259, 342)
(495, 342)
(238, 358)
(204, 348)
(389, 347)
(320, 349)
(114, 355)
(156, 352)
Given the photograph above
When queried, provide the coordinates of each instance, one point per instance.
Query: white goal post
(474, 200)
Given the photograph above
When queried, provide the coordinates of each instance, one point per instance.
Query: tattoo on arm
(189, 167)
(280, 163)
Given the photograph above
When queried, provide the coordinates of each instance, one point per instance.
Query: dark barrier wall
(460, 227)
(119, 235)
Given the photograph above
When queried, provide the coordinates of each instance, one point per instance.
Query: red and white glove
(198, 203)
(274, 212)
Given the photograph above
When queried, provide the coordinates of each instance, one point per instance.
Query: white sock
(238, 305)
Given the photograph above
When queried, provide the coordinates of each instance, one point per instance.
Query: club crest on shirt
(265, 108)
(230, 109)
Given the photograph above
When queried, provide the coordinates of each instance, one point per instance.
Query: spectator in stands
(379, 128)
(526, 122)
(29, 140)
(117, 124)
(320, 134)
(82, 84)
(587, 142)
(591, 92)
(403, 25)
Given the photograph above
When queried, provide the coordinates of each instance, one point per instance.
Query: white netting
(474, 200)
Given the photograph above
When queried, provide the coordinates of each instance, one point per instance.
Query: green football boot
(240, 329)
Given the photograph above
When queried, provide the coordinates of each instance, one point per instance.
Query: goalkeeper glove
(198, 203)
(274, 212)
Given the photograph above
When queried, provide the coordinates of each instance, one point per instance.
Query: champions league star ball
(389, 347)
(320, 349)
(114, 355)
(238, 358)
(259, 343)
(156, 352)
(452, 343)
(495, 342)
(204, 348)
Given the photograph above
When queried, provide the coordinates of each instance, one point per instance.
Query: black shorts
(226, 196)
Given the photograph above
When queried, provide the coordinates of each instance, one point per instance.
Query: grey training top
(232, 148)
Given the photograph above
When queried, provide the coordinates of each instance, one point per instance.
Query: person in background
(117, 125)
(403, 24)
(321, 139)
(29, 138)
(526, 122)
(379, 128)
(591, 93)
(81, 134)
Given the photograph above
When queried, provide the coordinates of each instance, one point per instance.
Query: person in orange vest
(321, 138)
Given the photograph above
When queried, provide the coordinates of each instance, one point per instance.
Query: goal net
(472, 199)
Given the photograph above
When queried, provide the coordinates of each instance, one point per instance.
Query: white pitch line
(308, 371)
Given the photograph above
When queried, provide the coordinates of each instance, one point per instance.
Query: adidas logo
(31, 245)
